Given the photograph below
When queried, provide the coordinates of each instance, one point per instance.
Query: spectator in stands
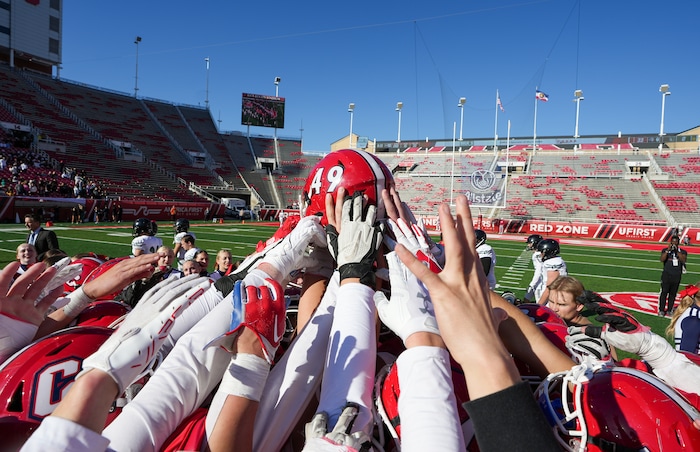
(673, 259)
(42, 239)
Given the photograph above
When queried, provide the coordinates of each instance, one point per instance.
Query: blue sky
(424, 54)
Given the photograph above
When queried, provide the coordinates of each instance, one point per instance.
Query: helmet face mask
(548, 248)
(598, 407)
(353, 170)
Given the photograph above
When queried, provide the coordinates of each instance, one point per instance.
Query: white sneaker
(135, 343)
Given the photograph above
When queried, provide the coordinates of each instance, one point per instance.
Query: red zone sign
(608, 231)
(645, 302)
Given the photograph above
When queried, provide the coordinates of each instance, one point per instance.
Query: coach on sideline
(42, 239)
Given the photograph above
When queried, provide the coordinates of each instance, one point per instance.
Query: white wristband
(245, 376)
(78, 301)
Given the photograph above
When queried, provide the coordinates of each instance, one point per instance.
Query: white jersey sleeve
(537, 265)
(63, 434)
(486, 250)
(427, 406)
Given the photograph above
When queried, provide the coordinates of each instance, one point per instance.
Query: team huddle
(350, 329)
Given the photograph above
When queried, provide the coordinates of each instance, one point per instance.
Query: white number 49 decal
(334, 175)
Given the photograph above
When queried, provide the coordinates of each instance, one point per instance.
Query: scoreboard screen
(262, 111)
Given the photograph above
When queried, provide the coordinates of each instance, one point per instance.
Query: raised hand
(354, 236)
(461, 297)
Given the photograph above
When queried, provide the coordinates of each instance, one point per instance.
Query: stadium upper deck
(157, 150)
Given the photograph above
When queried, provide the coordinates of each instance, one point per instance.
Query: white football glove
(415, 239)
(288, 255)
(65, 272)
(355, 246)
(135, 343)
(410, 309)
(317, 260)
(318, 438)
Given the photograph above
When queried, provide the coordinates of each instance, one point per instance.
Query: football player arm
(116, 278)
(233, 429)
(550, 276)
(313, 288)
(525, 341)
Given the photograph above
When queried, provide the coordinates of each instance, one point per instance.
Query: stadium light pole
(351, 110)
(578, 97)
(277, 94)
(462, 101)
(663, 89)
(206, 100)
(399, 107)
(136, 79)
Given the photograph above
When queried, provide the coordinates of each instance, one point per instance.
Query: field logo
(646, 302)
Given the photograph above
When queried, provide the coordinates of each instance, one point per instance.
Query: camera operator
(673, 258)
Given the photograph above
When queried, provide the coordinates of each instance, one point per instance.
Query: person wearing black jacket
(673, 259)
(42, 239)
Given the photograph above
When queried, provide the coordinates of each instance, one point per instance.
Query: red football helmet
(102, 313)
(539, 313)
(89, 264)
(617, 408)
(34, 380)
(103, 269)
(351, 169)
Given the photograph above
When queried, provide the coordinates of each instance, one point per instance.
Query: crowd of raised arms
(396, 342)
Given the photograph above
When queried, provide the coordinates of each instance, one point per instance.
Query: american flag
(499, 103)
(541, 96)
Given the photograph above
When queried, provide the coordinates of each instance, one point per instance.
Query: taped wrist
(78, 302)
(245, 377)
(362, 271)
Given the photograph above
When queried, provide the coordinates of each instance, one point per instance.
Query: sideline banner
(13, 209)
(567, 229)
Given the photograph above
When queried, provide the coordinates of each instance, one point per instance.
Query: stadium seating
(181, 145)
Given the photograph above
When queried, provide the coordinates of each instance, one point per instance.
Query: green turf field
(600, 269)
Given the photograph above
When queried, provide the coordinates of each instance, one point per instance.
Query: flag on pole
(499, 103)
(541, 96)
